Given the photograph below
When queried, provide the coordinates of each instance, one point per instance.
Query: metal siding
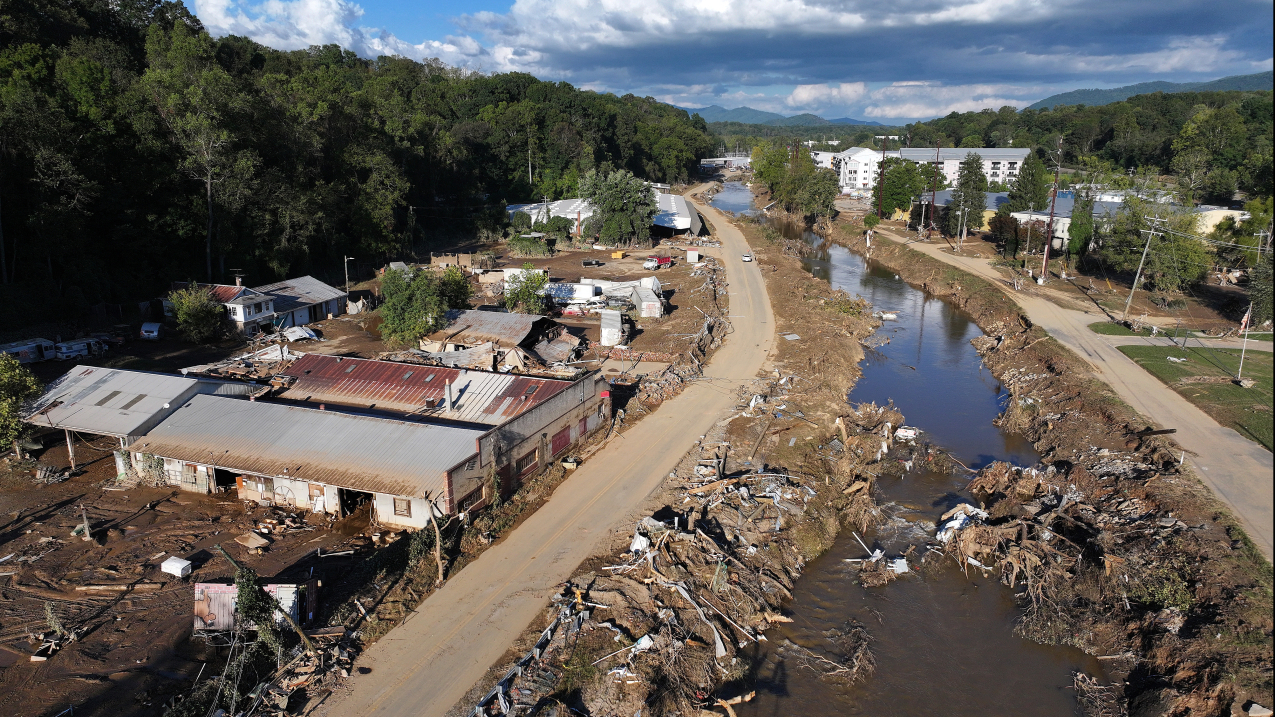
(303, 444)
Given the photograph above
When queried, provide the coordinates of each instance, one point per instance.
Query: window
(403, 507)
(472, 464)
(256, 308)
(468, 501)
(1013, 165)
(523, 464)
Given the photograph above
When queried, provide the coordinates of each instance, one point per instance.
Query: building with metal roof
(434, 392)
(303, 452)
(301, 300)
(468, 328)
(117, 402)
(249, 309)
(675, 213)
(672, 212)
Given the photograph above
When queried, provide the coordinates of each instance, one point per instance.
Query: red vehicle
(657, 262)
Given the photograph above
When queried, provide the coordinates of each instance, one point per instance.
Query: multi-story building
(857, 167)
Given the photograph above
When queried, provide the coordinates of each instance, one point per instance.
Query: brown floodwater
(943, 643)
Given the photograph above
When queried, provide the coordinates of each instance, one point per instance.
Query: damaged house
(283, 304)
(513, 338)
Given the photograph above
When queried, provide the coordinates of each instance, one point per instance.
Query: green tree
(817, 197)
(1176, 258)
(1259, 291)
(902, 183)
(1031, 186)
(199, 318)
(416, 303)
(969, 197)
(17, 386)
(1004, 230)
(524, 292)
(196, 99)
(1081, 230)
(624, 207)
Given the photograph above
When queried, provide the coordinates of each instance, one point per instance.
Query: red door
(561, 440)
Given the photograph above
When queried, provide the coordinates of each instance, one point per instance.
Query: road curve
(426, 665)
(1238, 470)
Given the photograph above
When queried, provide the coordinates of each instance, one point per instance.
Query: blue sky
(910, 59)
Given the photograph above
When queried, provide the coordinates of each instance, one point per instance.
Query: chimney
(238, 280)
(322, 407)
(449, 395)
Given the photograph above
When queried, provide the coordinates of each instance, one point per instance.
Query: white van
(151, 331)
(79, 347)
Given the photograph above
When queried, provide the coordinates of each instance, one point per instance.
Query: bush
(198, 316)
(523, 246)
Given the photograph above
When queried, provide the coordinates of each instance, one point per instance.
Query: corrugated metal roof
(299, 292)
(480, 396)
(113, 402)
(357, 452)
(470, 327)
(221, 293)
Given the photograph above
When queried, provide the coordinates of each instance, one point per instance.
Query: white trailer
(31, 350)
(79, 347)
(612, 327)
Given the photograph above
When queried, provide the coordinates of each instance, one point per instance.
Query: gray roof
(921, 154)
(993, 200)
(505, 329)
(349, 451)
(301, 291)
(1066, 204)
(116, 402)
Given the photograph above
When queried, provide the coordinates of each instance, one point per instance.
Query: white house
(248, 309)
(857, 168)
(302, 300)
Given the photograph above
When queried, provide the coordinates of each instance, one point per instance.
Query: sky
(886, 62)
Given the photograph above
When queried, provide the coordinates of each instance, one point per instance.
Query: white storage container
(176, 566)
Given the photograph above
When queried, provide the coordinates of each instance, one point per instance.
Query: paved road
(1238, 470)
(1192, 342)
(442, 649)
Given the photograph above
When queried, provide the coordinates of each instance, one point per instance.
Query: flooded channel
(944, 644)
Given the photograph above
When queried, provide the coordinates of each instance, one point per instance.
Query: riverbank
(1165, 543)
(718, 547)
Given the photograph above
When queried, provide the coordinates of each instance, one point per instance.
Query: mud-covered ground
(1151, 571)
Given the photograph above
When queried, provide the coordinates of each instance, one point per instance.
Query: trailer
(31, 350)
(569, 293)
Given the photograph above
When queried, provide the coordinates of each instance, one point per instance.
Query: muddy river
(943, 644)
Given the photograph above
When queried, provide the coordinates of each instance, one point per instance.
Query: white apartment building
(857, 167)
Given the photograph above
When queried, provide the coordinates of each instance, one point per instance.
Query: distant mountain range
(748, 115)
(1093, 98)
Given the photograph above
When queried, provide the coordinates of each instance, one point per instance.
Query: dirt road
(1237, 469)
(428, 663)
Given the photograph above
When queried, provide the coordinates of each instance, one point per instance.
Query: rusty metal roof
(222, 293)
(271, 439)
(467, 327)
(481, 397)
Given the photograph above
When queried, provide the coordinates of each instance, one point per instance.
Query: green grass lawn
(1247, 410)
(1106, 328)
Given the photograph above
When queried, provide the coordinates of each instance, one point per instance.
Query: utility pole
(1150, 233)
(1053, 200)
(1248, 318)
(346, 265)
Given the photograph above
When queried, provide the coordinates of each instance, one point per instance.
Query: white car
(747, 257)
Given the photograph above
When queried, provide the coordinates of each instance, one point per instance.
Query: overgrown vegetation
(138, 149)
(624, 207)
(524, 291)
(416, 302)
(793, 179)
(17, 386)
(199, 318)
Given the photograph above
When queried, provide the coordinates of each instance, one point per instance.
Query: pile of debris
(661, 628)
(656, 388)
(260, 363)
(48, 475)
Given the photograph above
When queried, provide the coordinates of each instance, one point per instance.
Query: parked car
(151, 331)
(79, 347)
(747, 257)
(590, 262)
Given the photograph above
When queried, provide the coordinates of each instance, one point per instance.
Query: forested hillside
(1222, 139)
(135, 150)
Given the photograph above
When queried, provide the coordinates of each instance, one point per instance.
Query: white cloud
(1181, 54)
(926, 99)
(818, 97)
